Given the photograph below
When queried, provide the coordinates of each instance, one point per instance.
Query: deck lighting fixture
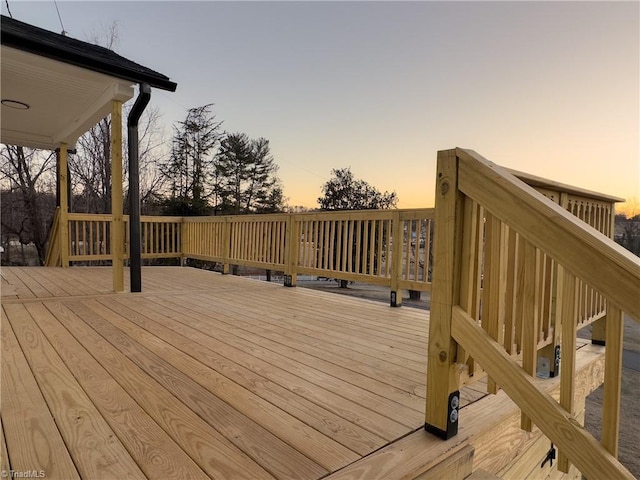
(15, 104)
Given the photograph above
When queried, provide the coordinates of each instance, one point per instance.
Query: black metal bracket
(288, 281)
(394, 299)
(452, 419)
(551, 456)
(556, 362)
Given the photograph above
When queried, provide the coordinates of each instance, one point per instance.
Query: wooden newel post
(292, 247)
(397, 239)
(226, 245)
(443, 376)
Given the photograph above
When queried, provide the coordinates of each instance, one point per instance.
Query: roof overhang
(54, 88)
(64, 101)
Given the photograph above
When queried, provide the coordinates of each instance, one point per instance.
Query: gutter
(135, 237)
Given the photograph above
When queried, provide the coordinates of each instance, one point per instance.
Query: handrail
(579, 248)
(559, 426)
(479, 202)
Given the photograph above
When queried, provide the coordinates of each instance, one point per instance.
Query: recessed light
(15, 104)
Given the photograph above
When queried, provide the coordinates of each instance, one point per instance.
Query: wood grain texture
(183, 337)
(63, 229)
(117, 222)
(256, 328)
(310, 384)
(210, 450)
(153, 450)
(33, 439)
(567, 283)
(457, 466)
(612, 379)
(275, 456)
(96, 450)
(580, 447)
(310, 442)
(589, 254)
(442, 375)
(499, 447)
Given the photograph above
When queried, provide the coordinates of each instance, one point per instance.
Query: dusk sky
(550, 88)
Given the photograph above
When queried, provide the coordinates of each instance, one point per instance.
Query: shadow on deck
(211, 376)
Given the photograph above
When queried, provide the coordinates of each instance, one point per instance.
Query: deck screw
(444, 187)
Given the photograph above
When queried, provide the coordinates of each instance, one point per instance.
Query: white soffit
(64, 100)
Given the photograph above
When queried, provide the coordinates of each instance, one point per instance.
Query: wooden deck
(209, 376)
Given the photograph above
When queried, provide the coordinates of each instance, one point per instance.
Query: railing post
(397, 239)
(291, 252)
(443, 377)
(226, 245)
(63, 227)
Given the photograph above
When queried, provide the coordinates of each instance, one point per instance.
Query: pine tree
(246, 177)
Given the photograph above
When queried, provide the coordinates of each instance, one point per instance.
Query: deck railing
(387, 247)
(516, 264)
(515, 271)
(355, 245)
(89, 237)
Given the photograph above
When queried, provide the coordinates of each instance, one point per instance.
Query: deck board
(154, 451)
(211, 451)
(33, 439)
(202, 376)
(96, 451)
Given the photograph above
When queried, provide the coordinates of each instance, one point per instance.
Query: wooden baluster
(380, 247)
(510, 294)
(416, 251)
(567, 297)
(493, 285)
(468, 284)
(612, 378)
(530, 328)
(427, 251)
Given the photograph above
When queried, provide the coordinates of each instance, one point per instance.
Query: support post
(397, 238)
(226, 246)
(443, 377)
(117, 222)
(291, 252)
(63, 195)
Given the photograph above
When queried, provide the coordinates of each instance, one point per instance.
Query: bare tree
(28, 186)
(90, 168)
